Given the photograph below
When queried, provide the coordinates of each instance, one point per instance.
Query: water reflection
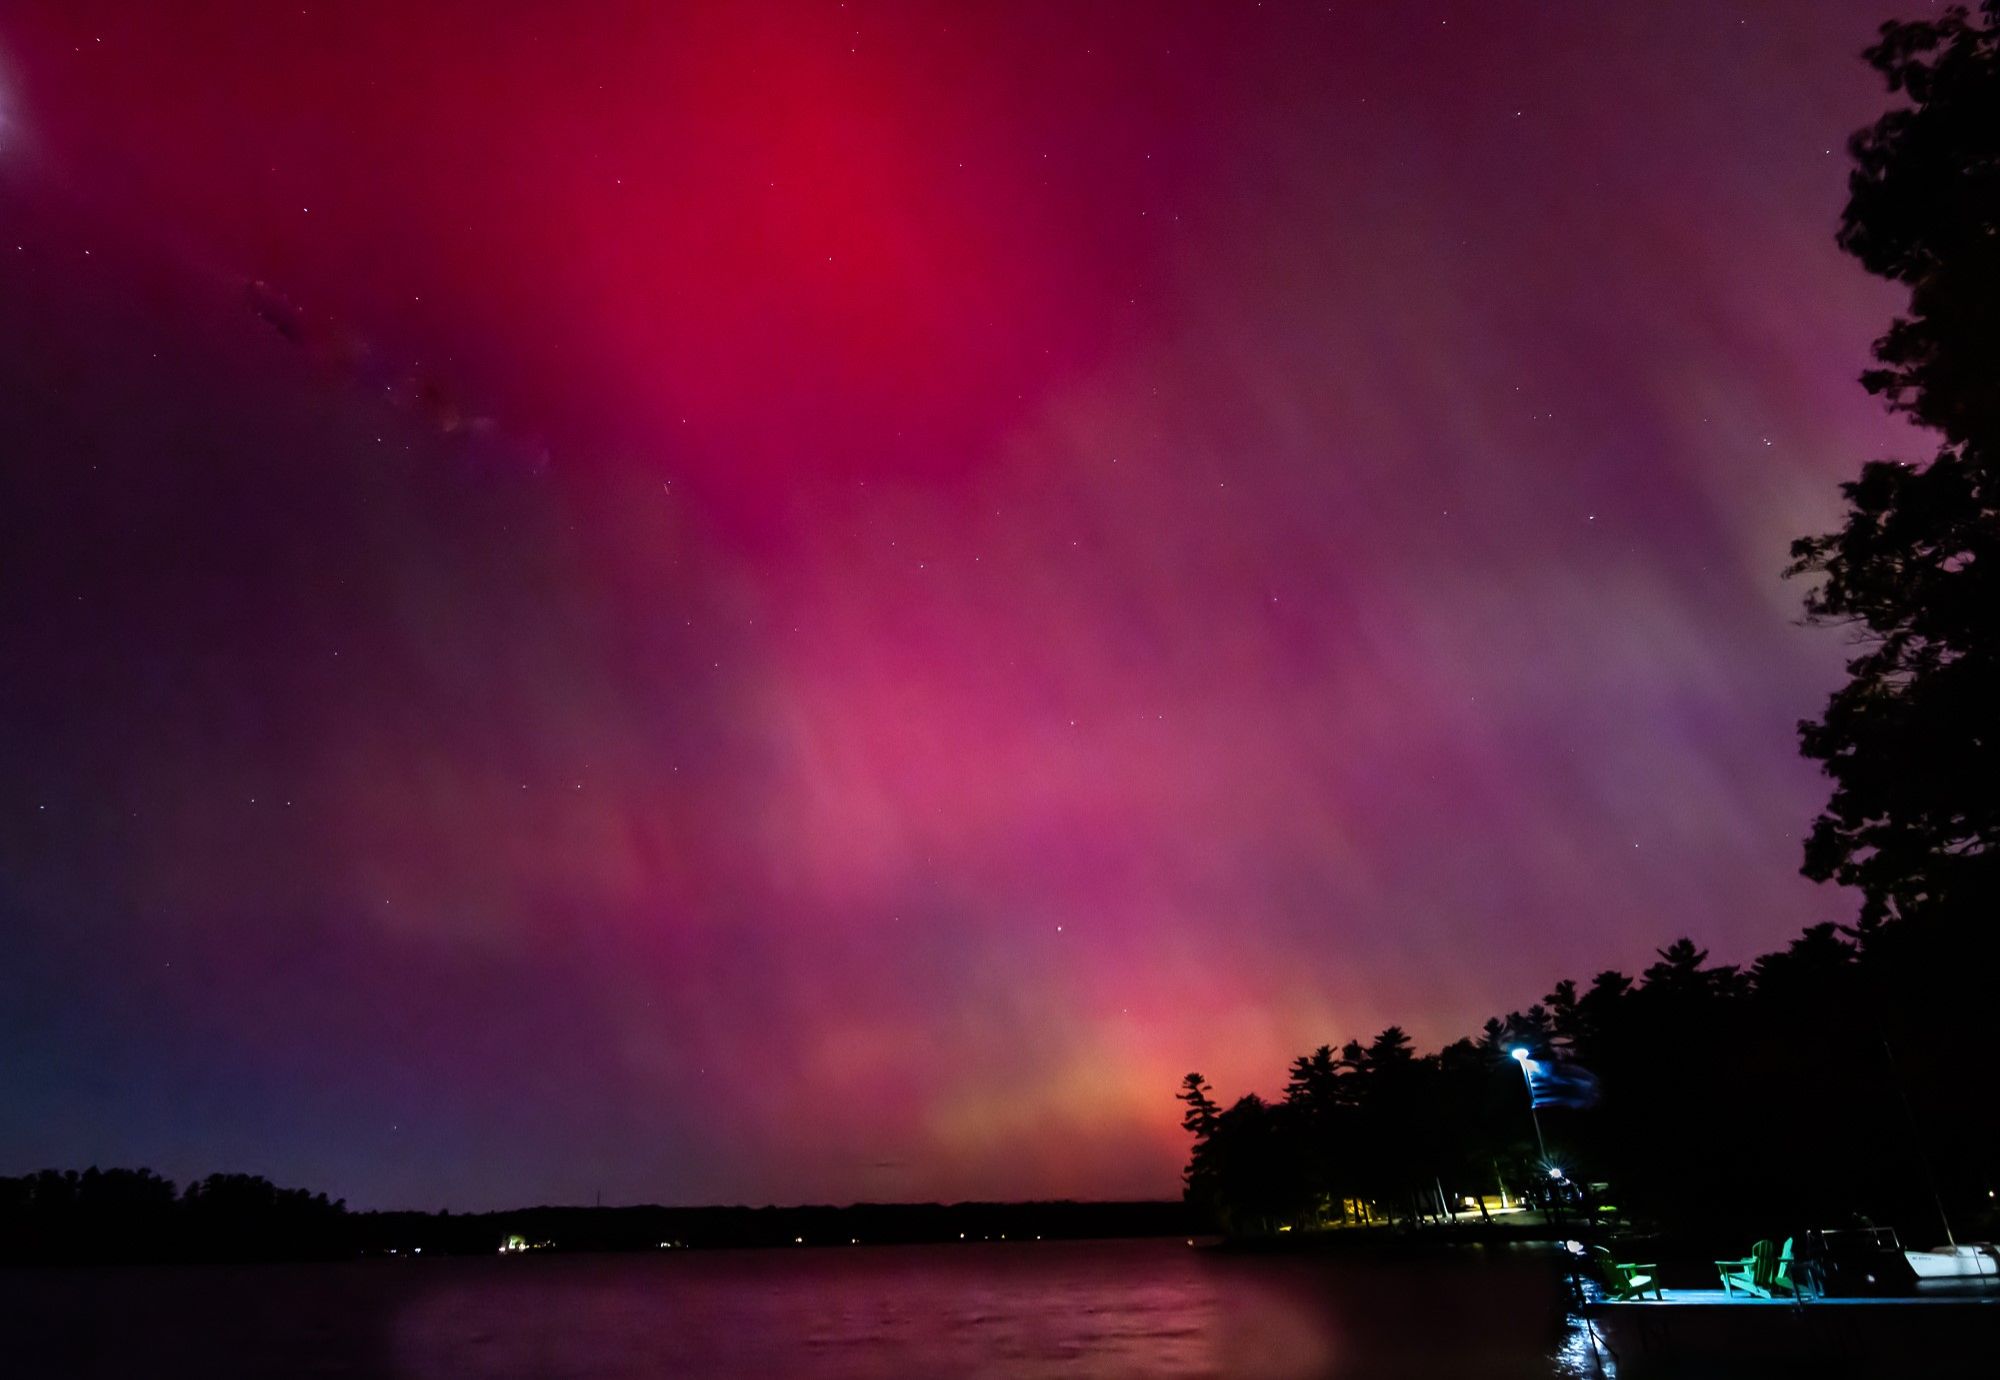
(1583, 1353)
(1084, 1311)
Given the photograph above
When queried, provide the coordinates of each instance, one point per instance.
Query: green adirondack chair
(1766, 1273)
(1622, 1279)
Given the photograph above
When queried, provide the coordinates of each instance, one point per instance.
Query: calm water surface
(1085, 1310)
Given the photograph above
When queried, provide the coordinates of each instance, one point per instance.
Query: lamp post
(1520, 1053)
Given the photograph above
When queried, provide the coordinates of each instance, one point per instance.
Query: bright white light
(1520, 1052)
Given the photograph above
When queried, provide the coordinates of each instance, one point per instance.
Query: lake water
(1080, 1310)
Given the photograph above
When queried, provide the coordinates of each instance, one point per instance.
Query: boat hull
(1956, 1262)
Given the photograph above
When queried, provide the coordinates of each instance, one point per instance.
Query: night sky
(818, 603)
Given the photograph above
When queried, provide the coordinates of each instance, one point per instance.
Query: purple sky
(817, 603)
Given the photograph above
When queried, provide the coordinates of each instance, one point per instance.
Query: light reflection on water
(1083, 1311)
(1583, 1353)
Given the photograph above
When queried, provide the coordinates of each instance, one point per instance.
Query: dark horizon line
(1065, 1200)
(81, 1217)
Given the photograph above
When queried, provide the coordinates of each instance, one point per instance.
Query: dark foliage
(135, 1215)
(1914, 571)
(1830, 1078)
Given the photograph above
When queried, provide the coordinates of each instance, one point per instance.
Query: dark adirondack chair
(1623, 1279)
(1766, 1273)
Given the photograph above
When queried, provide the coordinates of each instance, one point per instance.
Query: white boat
(1975, 1260)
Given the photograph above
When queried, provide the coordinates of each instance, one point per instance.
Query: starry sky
(783, 603)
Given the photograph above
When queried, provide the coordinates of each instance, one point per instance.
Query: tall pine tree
(1912, 740)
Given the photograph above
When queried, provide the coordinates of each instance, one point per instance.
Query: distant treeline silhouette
(1833, 1077)
(135, 1216)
